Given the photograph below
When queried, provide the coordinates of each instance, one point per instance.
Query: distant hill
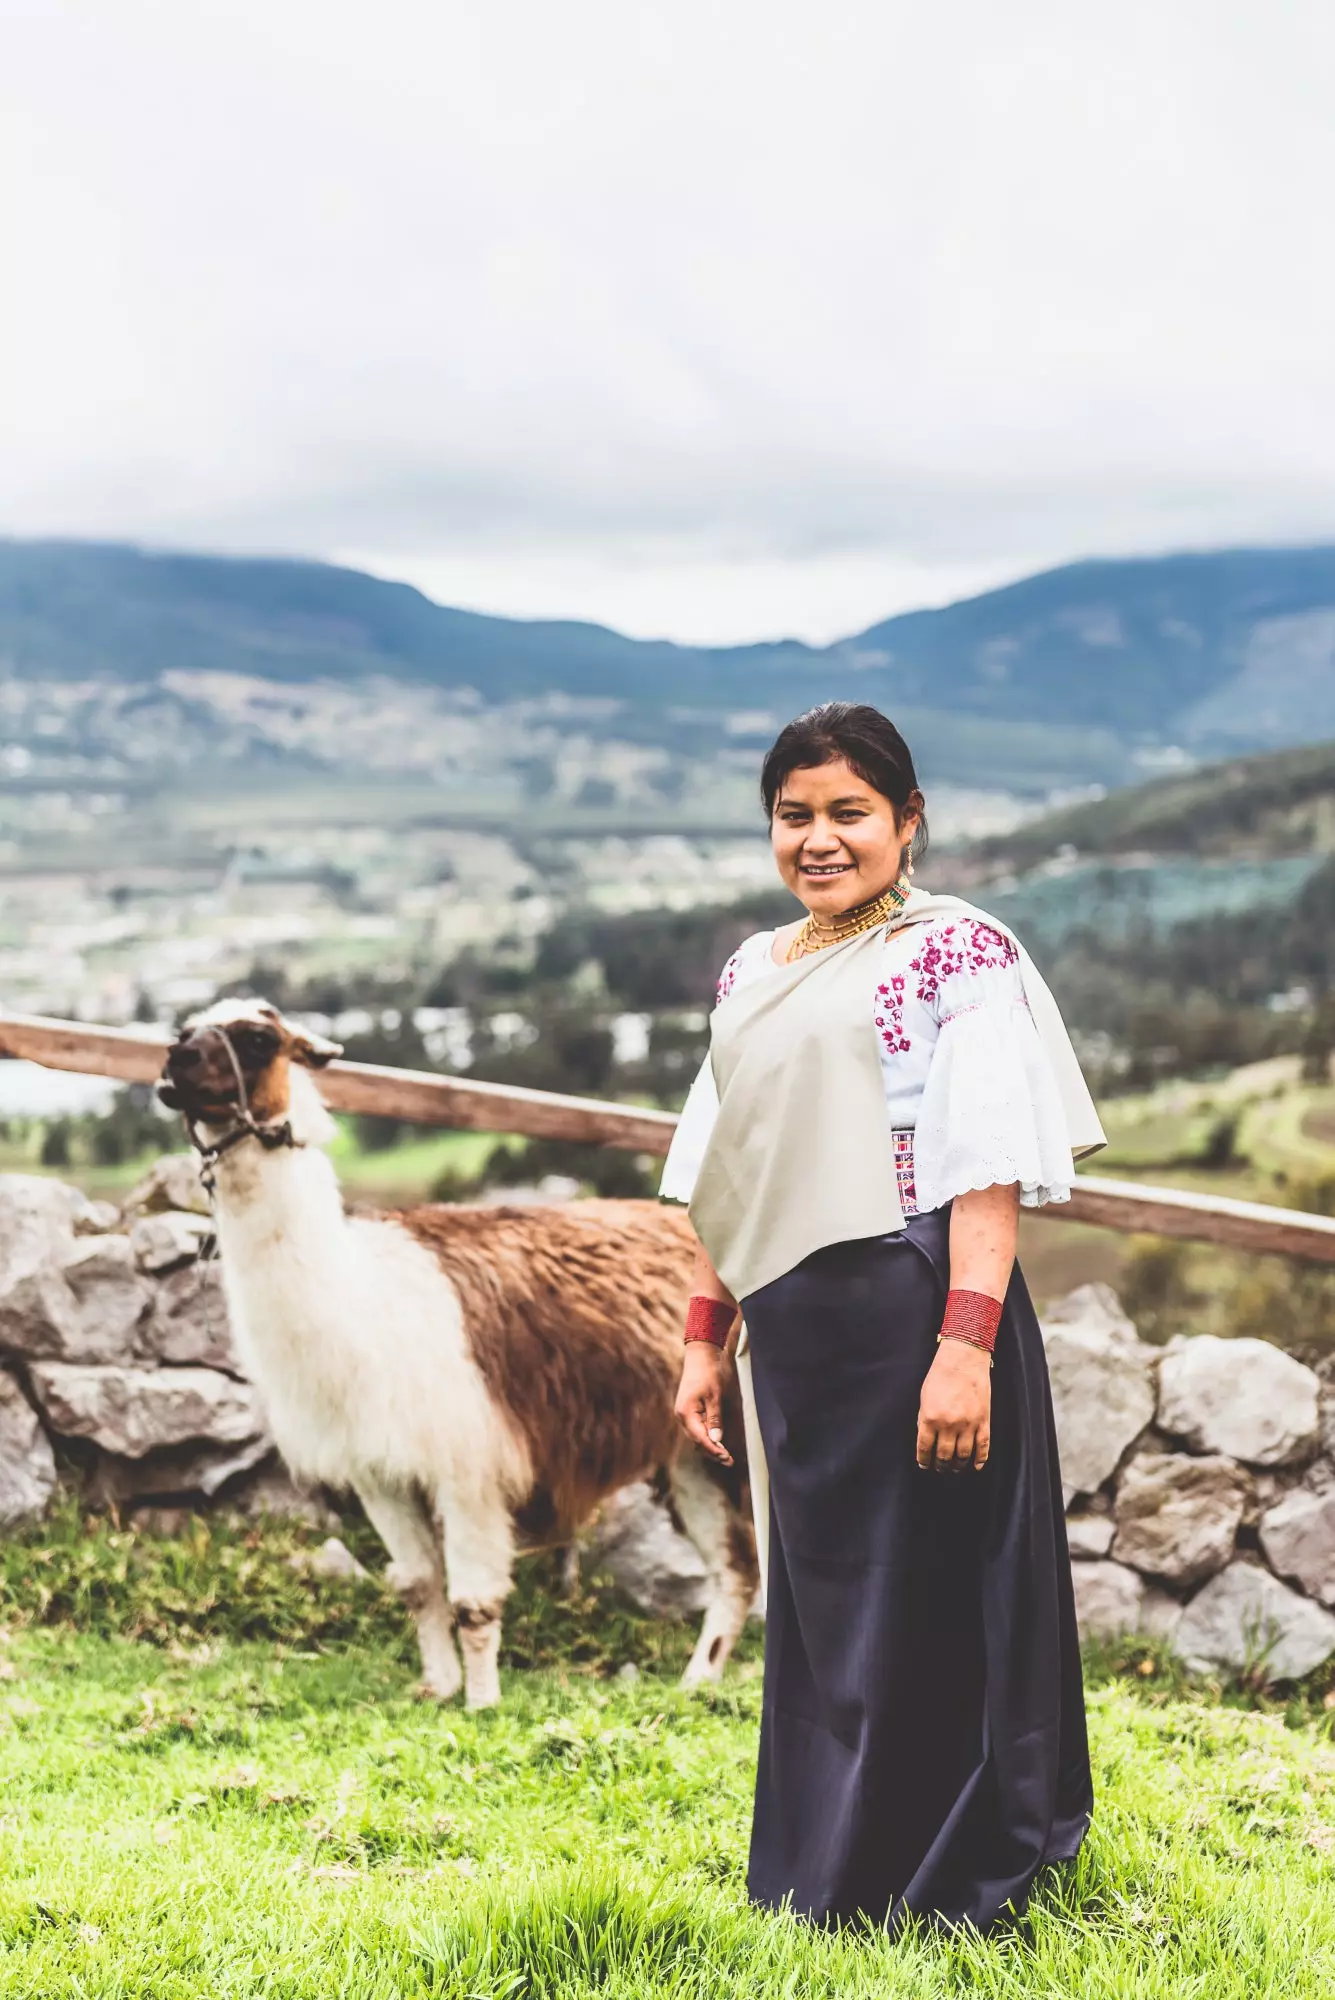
(1263, 808)
(75, 609)
(1244, 849)
(1214, 653)
(1223, 651)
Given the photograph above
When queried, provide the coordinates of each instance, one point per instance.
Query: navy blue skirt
(922, 1744)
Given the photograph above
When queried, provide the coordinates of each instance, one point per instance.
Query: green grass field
(276, 1814)
(398, 1174)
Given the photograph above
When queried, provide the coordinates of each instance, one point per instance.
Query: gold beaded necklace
(815, 936)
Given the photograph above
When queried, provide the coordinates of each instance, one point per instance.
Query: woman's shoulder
(940, 954)
(962, 941)
(750, 956)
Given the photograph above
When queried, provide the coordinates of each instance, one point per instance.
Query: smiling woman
(843, 830)
(888, 1082)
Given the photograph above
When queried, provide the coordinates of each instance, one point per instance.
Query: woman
(888, 1083)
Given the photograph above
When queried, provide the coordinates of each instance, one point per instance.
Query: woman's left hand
(955, 1409)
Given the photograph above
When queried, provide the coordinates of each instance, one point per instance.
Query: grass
(229, 1815)
(407, 1171)
(1280, 1128)
(403, 1172)
(1276, 1148)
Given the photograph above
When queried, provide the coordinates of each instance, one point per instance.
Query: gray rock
(1108, 1599)
(634, 1541)
(27, 1464)
(85, 1301)
(189, 1325)
(211, 1476)
(37, 1219)
(1160, 1615)
(113, 1297)
(1319, 1476)
(130, 1411)
(1178, 1517)
(173, 1471)
(1245, 1618)
(273, 1493)
(333, 1560)
(1327, 1418)
(1089, 1536)
(1268, 1489)
(1241, 1397)
(1298, 1537)
(39, 1314)
(171, 1182)
(1091, 1306)
(1102, 1387)
(97, 1218)
(37, 1222)
(162, 1242)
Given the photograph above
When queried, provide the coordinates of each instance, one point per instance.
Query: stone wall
(1200, 1490)
(1200, 1477)
(116, 1360)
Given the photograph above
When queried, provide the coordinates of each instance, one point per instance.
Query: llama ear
(313, 1050)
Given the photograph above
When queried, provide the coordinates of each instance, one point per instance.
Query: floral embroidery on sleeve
(728, 976)
(966, 947)
(890, 1014)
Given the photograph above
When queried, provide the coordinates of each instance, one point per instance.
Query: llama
(482, 1377)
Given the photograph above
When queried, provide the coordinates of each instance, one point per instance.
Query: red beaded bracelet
(709, 1319)
(971, 1316)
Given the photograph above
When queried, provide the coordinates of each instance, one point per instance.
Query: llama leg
(479, 1552)
(415, 1571)
(726, 1546)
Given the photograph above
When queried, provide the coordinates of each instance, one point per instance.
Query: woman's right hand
(699, 1404)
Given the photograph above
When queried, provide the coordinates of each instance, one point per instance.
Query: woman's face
(836, 840)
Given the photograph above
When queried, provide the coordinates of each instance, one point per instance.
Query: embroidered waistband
(908, 1193)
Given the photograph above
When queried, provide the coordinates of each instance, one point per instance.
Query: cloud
(727, 317)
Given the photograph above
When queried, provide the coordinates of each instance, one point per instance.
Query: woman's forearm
(984, 1230)
(704, 1367)
(955, 1410)
(705, 1280)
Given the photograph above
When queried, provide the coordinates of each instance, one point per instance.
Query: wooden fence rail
(135, 1055)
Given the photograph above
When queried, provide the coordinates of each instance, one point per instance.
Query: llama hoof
(439, 1692)
(442, 1674)
(487, 1699)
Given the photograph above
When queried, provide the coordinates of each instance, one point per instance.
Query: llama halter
(270, 1136)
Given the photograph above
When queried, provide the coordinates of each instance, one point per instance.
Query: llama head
(241, 1055)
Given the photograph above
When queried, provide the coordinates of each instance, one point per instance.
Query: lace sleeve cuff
(991, 1113)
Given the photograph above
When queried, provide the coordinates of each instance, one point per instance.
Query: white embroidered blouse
(970, 1093)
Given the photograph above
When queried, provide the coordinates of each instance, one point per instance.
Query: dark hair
(867, 741)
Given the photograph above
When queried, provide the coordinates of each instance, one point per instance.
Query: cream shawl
(800, 1153)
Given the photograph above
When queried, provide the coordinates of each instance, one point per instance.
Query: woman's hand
(699, 1404)
(955, 1409)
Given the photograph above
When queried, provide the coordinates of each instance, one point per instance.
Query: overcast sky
(713, 318)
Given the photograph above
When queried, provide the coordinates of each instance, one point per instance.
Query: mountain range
(1129, 661)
